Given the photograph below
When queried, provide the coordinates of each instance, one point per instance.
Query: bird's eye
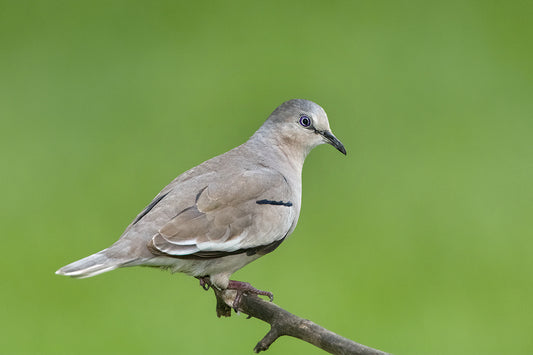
(305, 121)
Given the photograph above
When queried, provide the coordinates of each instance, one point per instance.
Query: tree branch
(285, 323)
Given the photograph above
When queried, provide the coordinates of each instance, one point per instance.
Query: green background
(419, 241)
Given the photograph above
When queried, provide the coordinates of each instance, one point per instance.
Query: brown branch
(285, 323)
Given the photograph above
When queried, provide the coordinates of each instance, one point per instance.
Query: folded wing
(228, 219)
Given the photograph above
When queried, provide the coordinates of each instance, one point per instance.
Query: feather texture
(226, 212)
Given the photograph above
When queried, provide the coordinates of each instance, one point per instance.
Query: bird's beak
(331, 139)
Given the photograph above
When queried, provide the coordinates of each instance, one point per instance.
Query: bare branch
(285, 323)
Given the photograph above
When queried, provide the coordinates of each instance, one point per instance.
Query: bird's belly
(203, 267)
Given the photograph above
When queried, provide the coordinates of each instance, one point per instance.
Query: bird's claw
(240, 288)
(244, 287)
(205, 282)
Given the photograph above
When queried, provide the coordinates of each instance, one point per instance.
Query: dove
(219, 216)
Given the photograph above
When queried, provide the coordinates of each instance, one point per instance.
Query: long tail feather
(90, 266)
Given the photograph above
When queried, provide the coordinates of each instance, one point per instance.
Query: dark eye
(305, 121)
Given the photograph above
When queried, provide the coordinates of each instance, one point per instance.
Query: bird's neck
(288, 155)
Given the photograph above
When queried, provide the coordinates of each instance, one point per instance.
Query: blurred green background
(418, 242)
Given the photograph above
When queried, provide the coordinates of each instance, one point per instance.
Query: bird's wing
(249, 211)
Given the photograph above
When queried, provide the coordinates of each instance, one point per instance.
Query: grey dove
(226, 212)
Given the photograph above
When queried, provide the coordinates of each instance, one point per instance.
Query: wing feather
(226, 218)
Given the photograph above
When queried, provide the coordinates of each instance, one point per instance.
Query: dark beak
(331, 139)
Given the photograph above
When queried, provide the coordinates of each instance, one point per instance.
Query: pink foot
(205, 282)
(244, 287)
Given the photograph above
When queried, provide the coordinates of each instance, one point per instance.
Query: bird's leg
(244, 287)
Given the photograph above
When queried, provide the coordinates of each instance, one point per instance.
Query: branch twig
(285, 323)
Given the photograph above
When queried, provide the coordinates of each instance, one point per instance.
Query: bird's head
(302, 125)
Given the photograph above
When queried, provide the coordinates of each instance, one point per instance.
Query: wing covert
(227, 218)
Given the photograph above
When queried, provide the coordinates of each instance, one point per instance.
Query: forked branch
(285, 323)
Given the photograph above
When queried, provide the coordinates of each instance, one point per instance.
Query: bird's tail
(92, 265)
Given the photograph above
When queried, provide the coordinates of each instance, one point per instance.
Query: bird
(219, 216)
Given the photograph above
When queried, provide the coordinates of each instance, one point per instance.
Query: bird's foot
(239, 287)
(244, 287)
(205, 282)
